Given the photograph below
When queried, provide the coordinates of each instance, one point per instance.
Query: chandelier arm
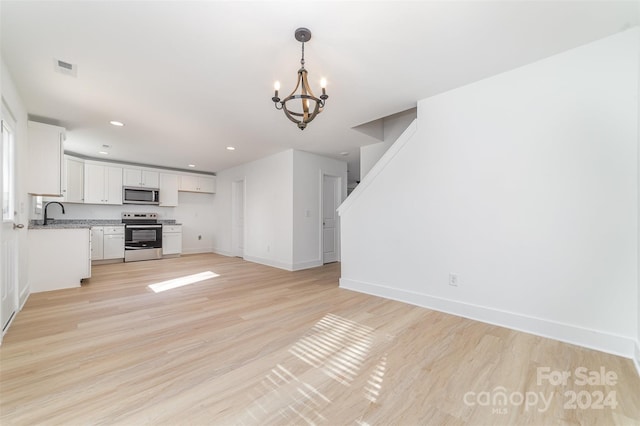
(316, 110)
(295, 89)
(306, 118)
(290, 116)
(305, 86)
(319, 102)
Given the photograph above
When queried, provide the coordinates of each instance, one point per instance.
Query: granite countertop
(84, 223)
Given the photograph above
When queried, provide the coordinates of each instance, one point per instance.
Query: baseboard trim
(592, 339)
(22, 298)
(197, 250)
(274, 263)
(306, 265)
(636, 356)
(269, 262)
(222, 252)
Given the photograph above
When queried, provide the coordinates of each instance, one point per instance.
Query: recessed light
(344, 153)
(117, 123)
(231, 148)
(103, 152)
(192, 165)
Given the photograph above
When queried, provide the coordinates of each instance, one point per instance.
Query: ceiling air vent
(66, 68)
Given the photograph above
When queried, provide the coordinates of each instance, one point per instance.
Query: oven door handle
(143, 226)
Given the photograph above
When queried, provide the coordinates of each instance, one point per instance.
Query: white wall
(12, 100)
(370, 154)
(268, 210)
(194, 211)
(526, 185)
(392, 128)
(279, 189)
(308, 170)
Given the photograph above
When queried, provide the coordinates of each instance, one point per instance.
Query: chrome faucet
(45, 210)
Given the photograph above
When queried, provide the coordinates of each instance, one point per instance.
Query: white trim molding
(306, 265)
(636, 357)
(592, 339)
(379, 166)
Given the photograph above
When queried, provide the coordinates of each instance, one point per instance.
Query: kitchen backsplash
(99, 211)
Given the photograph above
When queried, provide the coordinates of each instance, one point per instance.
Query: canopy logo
(500, 398)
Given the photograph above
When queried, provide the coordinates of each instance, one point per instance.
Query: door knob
(18, 226)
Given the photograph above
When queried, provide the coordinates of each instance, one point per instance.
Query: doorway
(8, 231)
(331, 199)
(237, 218)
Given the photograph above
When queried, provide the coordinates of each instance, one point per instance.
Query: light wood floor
(258, 345)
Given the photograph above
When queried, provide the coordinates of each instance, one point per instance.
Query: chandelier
(303, 107)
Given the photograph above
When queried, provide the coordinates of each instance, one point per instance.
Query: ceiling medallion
(305, 110)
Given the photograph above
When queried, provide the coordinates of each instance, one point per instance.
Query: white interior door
(237, 218)
(8, 232)
(330, 226)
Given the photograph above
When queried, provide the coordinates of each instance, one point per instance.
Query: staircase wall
(525, 187)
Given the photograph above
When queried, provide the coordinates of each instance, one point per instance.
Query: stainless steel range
(142, 236)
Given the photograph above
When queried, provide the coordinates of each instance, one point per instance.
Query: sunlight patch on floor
(339, 350)
(182, 281)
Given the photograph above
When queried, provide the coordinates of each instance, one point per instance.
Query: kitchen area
(87, 211)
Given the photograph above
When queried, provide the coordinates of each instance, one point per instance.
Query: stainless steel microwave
(131, 195)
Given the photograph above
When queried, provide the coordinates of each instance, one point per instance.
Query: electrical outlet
(453, 279)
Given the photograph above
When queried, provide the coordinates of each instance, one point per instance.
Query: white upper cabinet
(95, 182)
(194, 183)
(169, 184)
(46, 147)
(113, 185)
(102, 184)
(72, 181)
(140, 178)
(73, 189)
(207, 184)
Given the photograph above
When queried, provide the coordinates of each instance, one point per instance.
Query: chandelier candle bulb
(276, 86)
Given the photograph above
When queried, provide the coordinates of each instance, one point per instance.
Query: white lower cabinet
(97, 243)
(107, 242)
(58, 258)
(113, 245)
(171, 240)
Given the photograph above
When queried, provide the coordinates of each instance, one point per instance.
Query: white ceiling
(192, 77)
